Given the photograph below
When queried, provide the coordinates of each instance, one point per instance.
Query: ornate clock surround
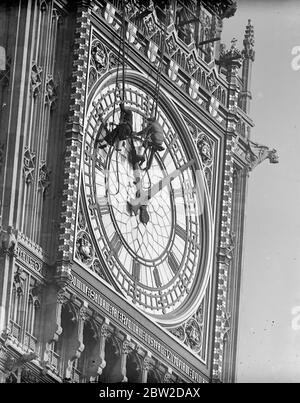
(203, 271)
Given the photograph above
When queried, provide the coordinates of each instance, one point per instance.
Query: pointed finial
(248, 42)
(233, 43)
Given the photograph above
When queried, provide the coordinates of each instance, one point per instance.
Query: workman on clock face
(154, 135)
(153, 138)
(121, 132)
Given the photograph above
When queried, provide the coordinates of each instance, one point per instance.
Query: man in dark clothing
(121, 132)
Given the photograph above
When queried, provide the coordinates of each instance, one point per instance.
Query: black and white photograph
(149, 194)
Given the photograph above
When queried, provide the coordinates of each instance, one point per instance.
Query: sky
(269, 331)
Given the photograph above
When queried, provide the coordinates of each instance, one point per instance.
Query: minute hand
(145, 196)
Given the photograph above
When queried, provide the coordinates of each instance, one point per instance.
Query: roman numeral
(193, 241)
(156, 277)
(87, 154)
(99, 163)
(178, 192)
(173, 262)
(180, 232)
(103, 206)
(116, 243)
(136, 270)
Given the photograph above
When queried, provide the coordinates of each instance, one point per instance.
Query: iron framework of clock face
(161, 266)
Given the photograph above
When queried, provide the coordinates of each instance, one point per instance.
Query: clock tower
(124, 156)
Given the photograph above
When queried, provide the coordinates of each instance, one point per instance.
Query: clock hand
(145, 196)
(142, 209)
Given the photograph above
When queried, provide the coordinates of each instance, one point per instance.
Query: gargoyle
(257, 153)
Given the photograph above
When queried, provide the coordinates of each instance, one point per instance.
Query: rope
(159, 74)
(123, 51)
(123, 85)
(118, 175)
(117, 78)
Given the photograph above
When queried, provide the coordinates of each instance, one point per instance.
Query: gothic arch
(133, 368)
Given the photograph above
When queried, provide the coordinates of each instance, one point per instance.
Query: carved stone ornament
(150, 25)
(112, 60)
(191, 332)
(191, 63)
(44, 180)
(132, 11)
(17, 281)
(226, 326)
(168, 377)
(8, 241)
(83, 313)
(248, 42)
(99, 56)
(127, 347)
(171, 45)
(84, 248)
(36, 79)
(100, 60)
(223, 8)
(147, 363)
(97, 267)
(211, 82)
(257, 153)
(226, 252)
(81, 222)
(28, 165)
(51, 92)
(179, 333)
(231, 57)
(193, 130)
(61, 297)
(193, 335)
(205, 149)
(105, 331)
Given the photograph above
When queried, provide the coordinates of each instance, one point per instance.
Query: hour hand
(138, 208)
(143, 197)
(144, 215)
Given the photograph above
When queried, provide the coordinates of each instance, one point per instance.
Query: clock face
(159, 264)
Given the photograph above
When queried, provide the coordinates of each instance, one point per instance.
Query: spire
(248, 42)
(248, 54)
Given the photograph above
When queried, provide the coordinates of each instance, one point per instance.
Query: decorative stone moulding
(36, 79)
(191, 332)
(29, 160)
(50, 92)
(98, 55)
(8, 241)
(205, 149)
(44, 179)
(84, 248)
